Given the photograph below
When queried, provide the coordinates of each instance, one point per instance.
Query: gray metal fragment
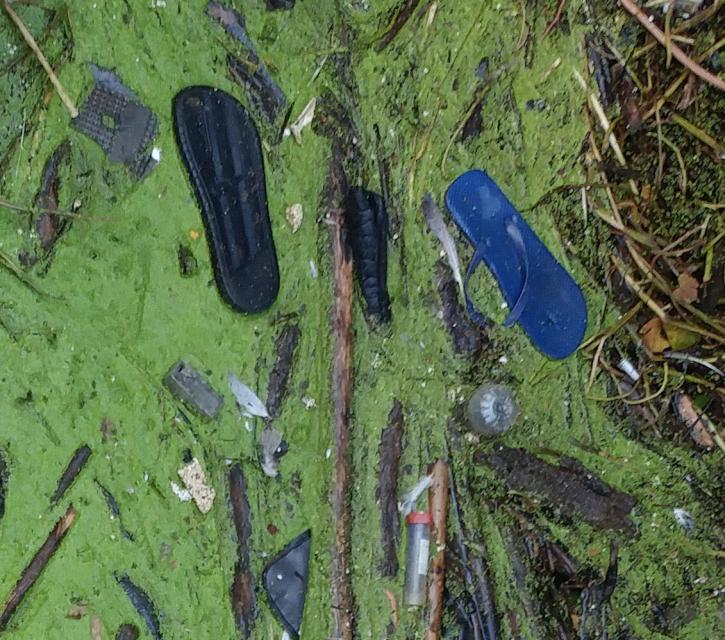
(190, 386)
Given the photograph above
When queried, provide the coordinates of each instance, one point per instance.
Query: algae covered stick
(391, 447)
(143, 605)
(36, 566)
(285, 347)
(342, 595)
(242, 590)
(75, 466)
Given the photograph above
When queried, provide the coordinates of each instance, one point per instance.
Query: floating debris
(50, 224)
(127, 632)
(492, 410)
(407, 505)
(143, 605)
(194, 479)
(626, 367)
(416, 566)
(391, 448)
(465, 334)
(438, 506)
(367, 221)
(247, 401)
(397, 22)
(133, 126)
(189, 386)
(294, 214)
(568, 486)
(75, 466)
(264, 94)
(181, 494)
(244, 601)
(303, 120)
(684, 519)
(438, 226)
(695, 421)
(115, 511)
(285, 346)
(285, 581)
(273, 448)
(31, 573)
(4, 477)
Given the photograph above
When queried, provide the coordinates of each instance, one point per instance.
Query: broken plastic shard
(273, 448)
(118, 122)
(285, 581)
(247, 401)
(189, 386)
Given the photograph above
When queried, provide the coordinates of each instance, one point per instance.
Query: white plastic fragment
(194, 479)
(313, 269)
(684, 519)
(247, 401)
(303, 120)
(270, 440)
(181, 494)
(409, 499)
(437, 225)
(626, 367)
(294, 213)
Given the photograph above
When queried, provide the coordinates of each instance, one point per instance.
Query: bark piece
(568, 486)
(391, 448)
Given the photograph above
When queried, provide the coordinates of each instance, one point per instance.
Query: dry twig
(677, 53)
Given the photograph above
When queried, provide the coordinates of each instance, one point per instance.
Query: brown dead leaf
(694, 422)
(96, 628)
(687, 288)
(653, 336)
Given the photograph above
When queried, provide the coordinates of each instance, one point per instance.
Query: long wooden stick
(438, 504)
(28, 37)
(678, 53)
(343, 607)
(36, 566)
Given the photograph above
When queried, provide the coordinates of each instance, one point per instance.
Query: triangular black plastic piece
(285, 581)
(222, 153)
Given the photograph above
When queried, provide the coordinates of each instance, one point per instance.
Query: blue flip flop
(542, 296)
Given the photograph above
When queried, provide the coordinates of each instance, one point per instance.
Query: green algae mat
(88, 331)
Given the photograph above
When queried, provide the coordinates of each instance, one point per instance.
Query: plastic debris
(285, 581)
(416, 568)
(684, 519)
(247, 401)
(118, 122)
(189, 386)
(194, 479)
(273, 448)
(437, 225)
(181, 494)
(492, 410)
(407, 504)
(303, 120)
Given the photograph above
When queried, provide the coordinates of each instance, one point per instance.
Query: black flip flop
(220, 148)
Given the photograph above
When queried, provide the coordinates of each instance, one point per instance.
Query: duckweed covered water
(114, 312)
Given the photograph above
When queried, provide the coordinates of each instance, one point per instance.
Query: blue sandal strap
(523, 299)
